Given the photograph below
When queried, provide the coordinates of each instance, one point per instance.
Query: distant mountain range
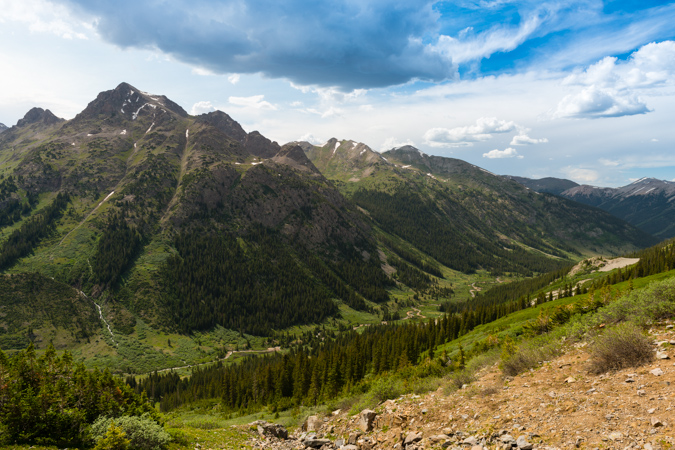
(3, 127)
(186, 223)
(646, 203)
(549, 185)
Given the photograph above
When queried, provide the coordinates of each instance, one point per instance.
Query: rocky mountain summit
(559, 405)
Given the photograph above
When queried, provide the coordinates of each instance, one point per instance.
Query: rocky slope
(557, 406)
(646, 203)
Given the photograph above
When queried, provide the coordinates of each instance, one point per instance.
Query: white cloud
(499, 154)
(331, 112)
(393, 142)
(580, 175)
(366, 108)
(466, 136)
(470, 47)
(296, 104)
(523, 139)
(611, 88)
(641, 161)
(234, 78)
(45, 17)
(594, 102)
(202, 72)
(254, 102)
(655, 140)
(201, 108)
(608, 162)
(650, 66)
(309, 137)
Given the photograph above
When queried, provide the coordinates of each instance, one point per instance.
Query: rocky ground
(559, 405)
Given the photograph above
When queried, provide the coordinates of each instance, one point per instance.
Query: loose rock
(366, 418)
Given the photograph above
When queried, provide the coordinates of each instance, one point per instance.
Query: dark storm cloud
(344, 43)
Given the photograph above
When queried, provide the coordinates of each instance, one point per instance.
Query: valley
(225, 278)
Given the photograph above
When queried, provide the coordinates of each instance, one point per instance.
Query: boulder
(506, 439)
(313, 423)
(656, 422)
(412, 437)
(366, 418)
(353, 438)
(313, 442)
(615, 436)
(471, 440)
(522, 443)
(271, 429)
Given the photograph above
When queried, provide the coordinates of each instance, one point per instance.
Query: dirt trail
(413, 313)
(474, 290)
(230, 353)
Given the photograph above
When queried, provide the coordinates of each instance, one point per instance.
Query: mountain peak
(409, 149)
(127, 102)
(293, 155)
(36, 115)
(224, 123)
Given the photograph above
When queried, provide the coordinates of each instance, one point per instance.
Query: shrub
(516, 360)
(461, 378)
(386, 388)
(114, 439)
(655, 302)
(620, 347)
(143, 432)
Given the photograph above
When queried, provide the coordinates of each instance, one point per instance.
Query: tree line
(49, 400)
(23, 240)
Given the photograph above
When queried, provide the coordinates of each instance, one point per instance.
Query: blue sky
(583, 90)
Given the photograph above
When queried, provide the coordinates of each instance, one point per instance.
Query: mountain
(549, 185)
(183, 222)
(180, 224)
(466, 217)
(3, 127)
(646, 203)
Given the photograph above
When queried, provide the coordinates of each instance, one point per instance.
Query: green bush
(516, 360)
(143, 432)
(113, 439)
(655, 302)
(386, 388)
(620, 347)
(461, 378)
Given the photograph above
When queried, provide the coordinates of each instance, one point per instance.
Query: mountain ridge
(188, 223)
(462, 196)
(646, 203)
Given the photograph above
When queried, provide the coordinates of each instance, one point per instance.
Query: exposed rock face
(38, 115)
(254, 142)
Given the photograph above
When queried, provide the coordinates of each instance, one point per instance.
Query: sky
(583, 90)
